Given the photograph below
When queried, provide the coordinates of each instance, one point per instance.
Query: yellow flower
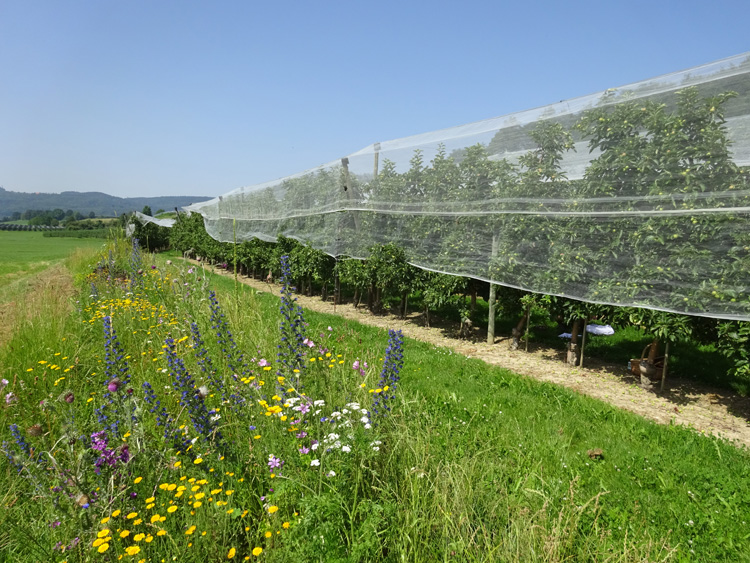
(133, 550)
(149, 500)
(131, 515)
(103, 533)
(257, 551)
(139, 537)
(116, 513)
(136, 522)
(105, 520)
(98, 542)
(161, 532)
(171, 509)
(155, 518)
(124, 533)
(197, 504)
(228, 493)
(285, 525)
(177, 464)
(199, 496)
(102, 548)
(190, 530)
(272, 509)
(231, 553)
(268, 534)
(198, 460)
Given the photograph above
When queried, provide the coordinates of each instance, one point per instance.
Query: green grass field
(23, 254)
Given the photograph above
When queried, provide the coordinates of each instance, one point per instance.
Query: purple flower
(304, 450)
(302, 434)
(263, 362)
(3, 383)
(273, 462)
(304, 408)
(10, 398)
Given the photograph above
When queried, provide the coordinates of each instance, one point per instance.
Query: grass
(25, 253)
(474, 462)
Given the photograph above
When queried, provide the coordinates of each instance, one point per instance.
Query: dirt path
(705, 409)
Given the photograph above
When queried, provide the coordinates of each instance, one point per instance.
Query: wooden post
(491, 319)
(528, 322)
(666, 365)
(493, 298)
(583, 341)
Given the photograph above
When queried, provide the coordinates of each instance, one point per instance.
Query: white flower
(315, 463)
(319, 403)
(376, 449)
(331, 473)
(314, 447)
(368, 426)
(364, 420)
(346, 449)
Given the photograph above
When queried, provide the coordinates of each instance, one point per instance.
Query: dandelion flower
(102, 548)
(257, 551)
(198, 460)
(231, 553)
(272, 509)
(138, 480)
(133, 550)
(171, 508)
(124, 533)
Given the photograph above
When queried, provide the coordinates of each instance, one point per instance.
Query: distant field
(25, 253)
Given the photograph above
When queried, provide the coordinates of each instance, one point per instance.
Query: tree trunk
(653, 350)
(426, 316)
(473, 299)
(573, 350)
(324, 292)
(491, 316)
(355, 299)
(309, 286)
(517, 332)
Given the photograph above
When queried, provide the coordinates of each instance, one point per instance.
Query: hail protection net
(636, 196)
(146, 219)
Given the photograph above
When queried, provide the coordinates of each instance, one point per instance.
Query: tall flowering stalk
(235, 357)
(389, 376)
(190, 397)
(171, 433)
(204, 361)
(292, 347)
(116, 380)
(136, 267)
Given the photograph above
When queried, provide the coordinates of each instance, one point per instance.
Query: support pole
(664, 370)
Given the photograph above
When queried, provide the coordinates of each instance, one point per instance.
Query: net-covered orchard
(636, 196)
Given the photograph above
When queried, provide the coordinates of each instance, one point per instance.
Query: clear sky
(147, 98)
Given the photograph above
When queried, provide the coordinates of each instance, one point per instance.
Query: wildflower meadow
(166, 416)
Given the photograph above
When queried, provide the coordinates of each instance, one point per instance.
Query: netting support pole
(375, 161)
(348, 190)
(493, 299)
(664, 369)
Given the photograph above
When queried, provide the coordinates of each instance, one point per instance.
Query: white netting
(145, 219)
(636, 196)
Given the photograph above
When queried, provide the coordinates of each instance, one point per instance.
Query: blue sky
(146, 98)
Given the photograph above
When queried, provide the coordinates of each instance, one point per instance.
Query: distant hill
(102, 204)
